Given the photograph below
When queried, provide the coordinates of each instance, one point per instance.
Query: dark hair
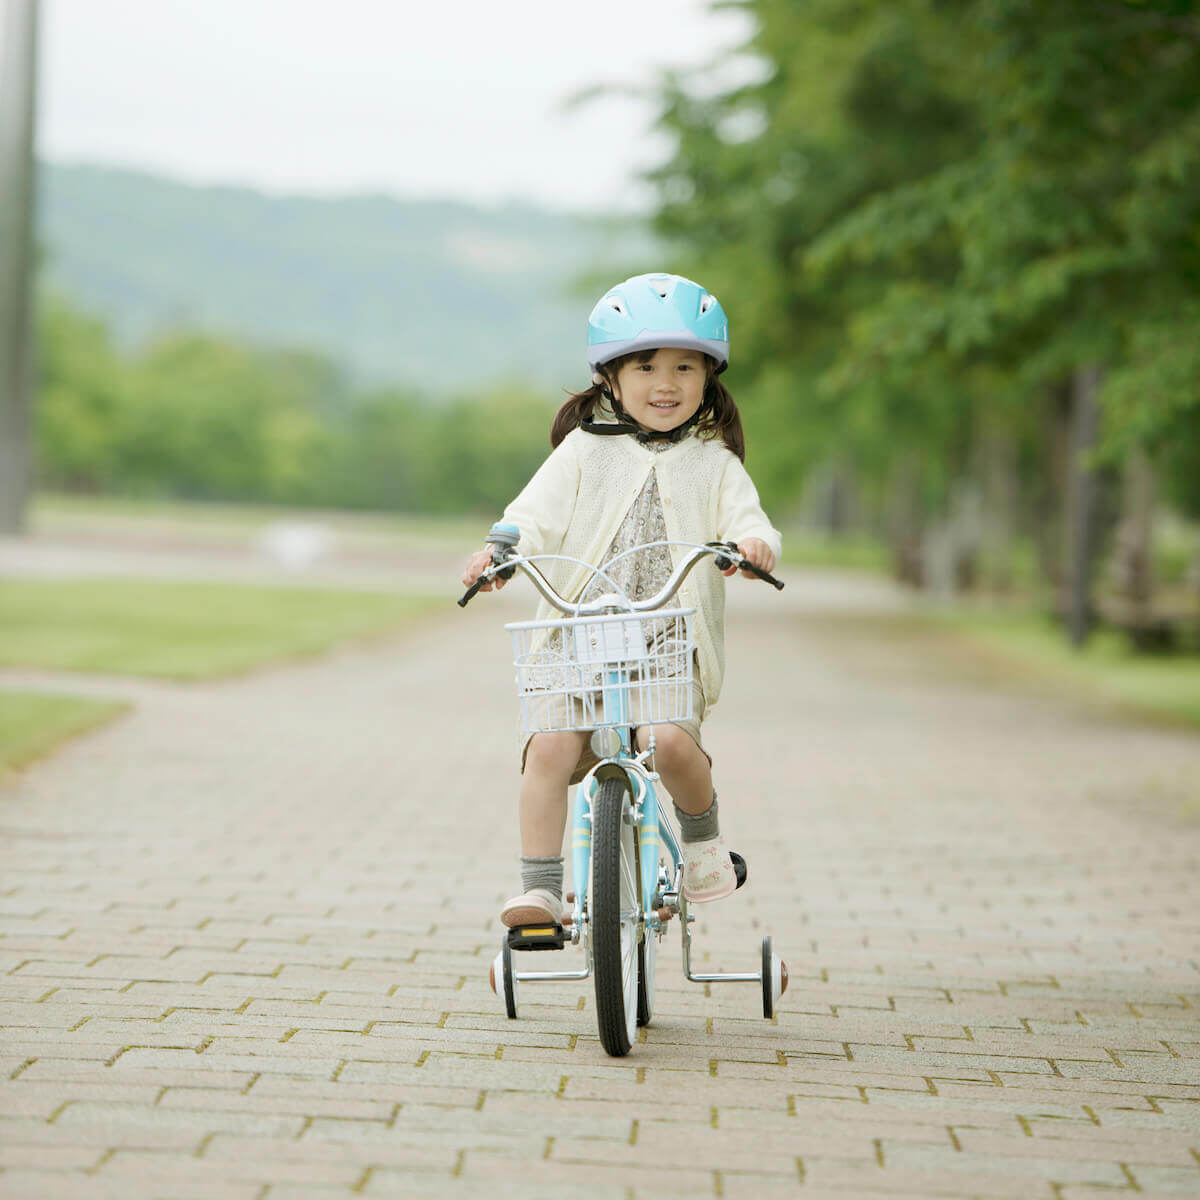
(719, 416)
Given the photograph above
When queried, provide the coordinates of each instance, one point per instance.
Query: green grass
(184, 630)
(203, 523)
(1106, 669)
(859, 552)
(32, 725)
(211, 522)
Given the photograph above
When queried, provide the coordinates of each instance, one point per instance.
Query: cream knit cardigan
(576, 501)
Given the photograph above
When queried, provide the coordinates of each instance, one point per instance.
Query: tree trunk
(18, 57)
(1050, 501)
(834, 497)
(1081, 504)
(1135, 543)
(998, 470)
(904, 520)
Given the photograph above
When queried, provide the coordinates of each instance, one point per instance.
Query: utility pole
(18, 89)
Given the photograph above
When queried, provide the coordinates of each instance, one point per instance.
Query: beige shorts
(587, 759)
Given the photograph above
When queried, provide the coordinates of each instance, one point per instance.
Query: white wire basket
(585, 672)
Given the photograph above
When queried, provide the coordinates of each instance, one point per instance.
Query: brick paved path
(246, 934)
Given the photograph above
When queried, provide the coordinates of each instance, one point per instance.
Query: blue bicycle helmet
(656, 311)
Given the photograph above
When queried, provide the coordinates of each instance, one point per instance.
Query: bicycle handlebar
(505, 559)
(739, 560)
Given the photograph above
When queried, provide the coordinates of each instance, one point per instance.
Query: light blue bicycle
(610, 666)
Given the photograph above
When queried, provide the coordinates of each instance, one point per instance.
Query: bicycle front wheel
(615, 917)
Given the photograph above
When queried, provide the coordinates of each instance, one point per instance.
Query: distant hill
(444, 295)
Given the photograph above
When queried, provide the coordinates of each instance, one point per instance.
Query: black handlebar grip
(765, 576)
(506, 573)
(724, 564)
(471, 592)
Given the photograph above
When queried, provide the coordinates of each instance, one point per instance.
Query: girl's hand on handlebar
(756, 551)
(476, 565)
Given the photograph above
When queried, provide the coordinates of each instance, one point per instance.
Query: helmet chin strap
(625, 426)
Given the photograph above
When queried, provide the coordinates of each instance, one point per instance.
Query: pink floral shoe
(707, 871)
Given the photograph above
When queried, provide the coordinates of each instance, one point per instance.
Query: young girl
(652, 451)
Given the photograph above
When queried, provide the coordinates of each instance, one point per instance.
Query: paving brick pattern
(246, 934)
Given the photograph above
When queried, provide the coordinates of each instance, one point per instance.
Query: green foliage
(197, 417)
(209, 420)
(81, 395)
(942, 210)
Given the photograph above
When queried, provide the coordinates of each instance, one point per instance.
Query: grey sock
(542, 873)
(700, 827)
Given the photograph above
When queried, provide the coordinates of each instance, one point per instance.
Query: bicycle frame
(652, 832)
(661, 891)
(654, 835)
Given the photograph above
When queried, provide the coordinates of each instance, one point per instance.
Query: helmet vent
(706, 303)
(617, 306)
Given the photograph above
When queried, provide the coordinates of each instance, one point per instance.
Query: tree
(81, 391)
(931, 215)
(193, 416)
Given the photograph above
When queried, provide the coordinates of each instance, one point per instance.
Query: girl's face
(665, 391)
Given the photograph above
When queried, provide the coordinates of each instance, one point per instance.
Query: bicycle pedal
(537, 937)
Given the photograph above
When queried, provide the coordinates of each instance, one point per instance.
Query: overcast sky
(460, 98)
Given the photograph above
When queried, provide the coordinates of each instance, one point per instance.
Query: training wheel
(774, 978)
(503, 978)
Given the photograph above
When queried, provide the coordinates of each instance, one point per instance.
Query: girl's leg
(707, 869)
(549, 765)
(550, 760)
(684, 767)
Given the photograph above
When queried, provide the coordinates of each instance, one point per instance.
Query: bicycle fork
(581, 867)
(656, 839)
(654, 836)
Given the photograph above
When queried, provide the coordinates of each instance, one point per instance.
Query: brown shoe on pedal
(538, 905)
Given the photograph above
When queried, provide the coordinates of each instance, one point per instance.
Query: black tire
(614, 918)
(510, 982)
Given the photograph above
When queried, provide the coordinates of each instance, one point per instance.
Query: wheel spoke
(631, 882)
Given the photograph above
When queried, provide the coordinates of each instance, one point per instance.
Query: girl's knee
(557, 752)
(672, 745)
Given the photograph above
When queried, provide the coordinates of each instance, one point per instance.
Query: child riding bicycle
(651, 452)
